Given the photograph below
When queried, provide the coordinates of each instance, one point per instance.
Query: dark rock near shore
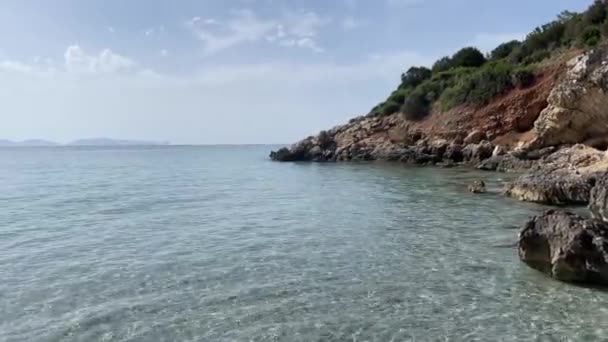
(567, 247)
(475, 137)
(505, 163)
(598, 202)
(477, 152)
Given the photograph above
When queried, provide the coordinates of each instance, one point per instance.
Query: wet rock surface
(566, 246)
(477, 187)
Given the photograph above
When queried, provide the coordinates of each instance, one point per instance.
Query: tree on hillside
(504, 50)
(468, 57)
(596, 14)
(414, 76)
(442, 64)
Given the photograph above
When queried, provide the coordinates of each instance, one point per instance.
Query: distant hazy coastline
(81, 142)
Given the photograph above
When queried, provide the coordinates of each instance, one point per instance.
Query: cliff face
(577, 108)
(504, 121)
(566, 105)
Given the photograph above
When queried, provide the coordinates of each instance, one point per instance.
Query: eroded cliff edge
(556, 129)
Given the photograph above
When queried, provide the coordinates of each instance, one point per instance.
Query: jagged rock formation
(567, 247)
(577, 108)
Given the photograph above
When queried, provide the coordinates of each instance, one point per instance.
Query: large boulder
(598, 202)
(551, 189)
(454, 153)
(564, 177)
(566, 246)
(300, 151)
(478, 152)
(475, 137)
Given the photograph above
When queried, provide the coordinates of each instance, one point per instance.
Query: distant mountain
(25, 143)
(115, 142)
(81, 142)
(37, 142)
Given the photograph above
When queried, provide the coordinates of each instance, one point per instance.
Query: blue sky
(227, 71)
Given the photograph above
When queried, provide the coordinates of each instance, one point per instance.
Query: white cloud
(78, 61)
(111, 29)
(243, 27)
(304, 23)
(310, 44)
(154, 31)
(486, 42)
(293, 29)
(15, 66)
(192, 108)
(164, 53)
(350, 23)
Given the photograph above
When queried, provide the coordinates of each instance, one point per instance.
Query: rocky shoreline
(562, 159)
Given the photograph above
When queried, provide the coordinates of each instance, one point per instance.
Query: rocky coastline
(562, 159)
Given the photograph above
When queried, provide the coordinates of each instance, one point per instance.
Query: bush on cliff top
(468, 57)
(469, 77)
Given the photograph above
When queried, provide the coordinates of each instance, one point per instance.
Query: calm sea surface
(220, 244)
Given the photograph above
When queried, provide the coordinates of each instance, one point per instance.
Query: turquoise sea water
(220, 244)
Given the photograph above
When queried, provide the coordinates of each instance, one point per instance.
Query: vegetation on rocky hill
(471, 78)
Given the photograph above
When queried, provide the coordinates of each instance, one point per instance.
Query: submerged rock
(478, 187)
(566, 246)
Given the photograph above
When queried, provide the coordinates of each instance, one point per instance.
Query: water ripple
(219, 244)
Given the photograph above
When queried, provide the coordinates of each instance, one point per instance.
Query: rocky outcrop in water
(566, 246)
(477, 187)
(577, 105)
(564, 177)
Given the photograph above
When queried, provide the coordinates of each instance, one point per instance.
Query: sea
(218, 243)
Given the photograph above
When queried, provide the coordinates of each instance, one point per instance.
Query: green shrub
(377, 110)
(523, 77)
(414, 76)
(504, 50)
(390, 107)
(415, 108)
(596, 13)
(537, 56)
(479, 87)
(468, 57)
(442, 64)
(591, 37)
(398, 95)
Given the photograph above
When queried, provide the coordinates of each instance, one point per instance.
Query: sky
(227, 71)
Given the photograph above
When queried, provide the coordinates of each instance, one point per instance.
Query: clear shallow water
(220, 244)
